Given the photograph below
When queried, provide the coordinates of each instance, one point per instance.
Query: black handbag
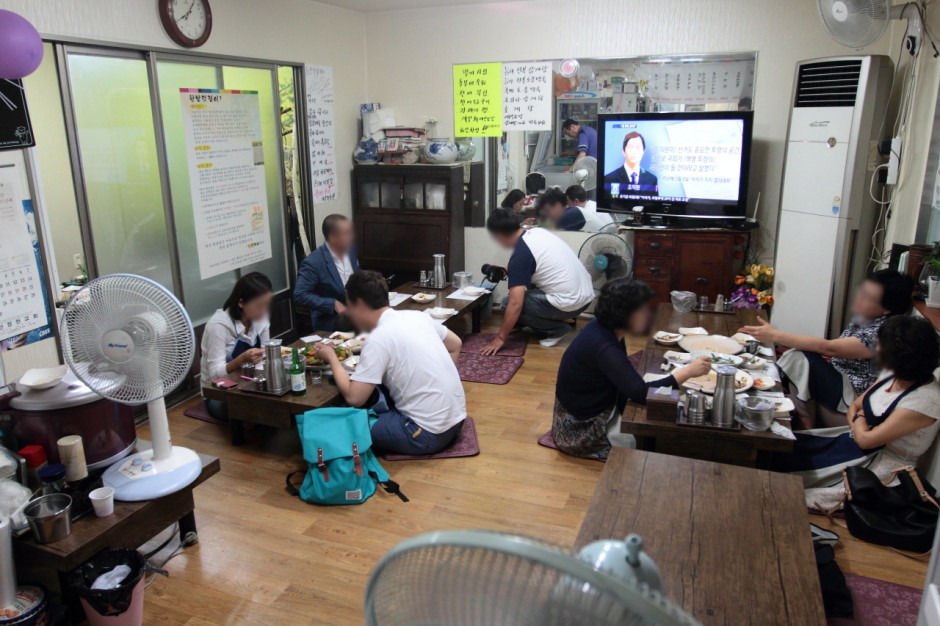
(903, 517)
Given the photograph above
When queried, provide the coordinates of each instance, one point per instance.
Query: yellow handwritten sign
(478, 100)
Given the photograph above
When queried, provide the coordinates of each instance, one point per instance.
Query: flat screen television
(685, 165)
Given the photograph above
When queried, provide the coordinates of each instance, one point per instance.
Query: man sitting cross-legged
(420, 404)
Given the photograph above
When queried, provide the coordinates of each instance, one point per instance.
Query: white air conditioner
(827, 216)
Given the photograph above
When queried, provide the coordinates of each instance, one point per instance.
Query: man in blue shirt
(321, 281)
(553, 204)
(586, 136)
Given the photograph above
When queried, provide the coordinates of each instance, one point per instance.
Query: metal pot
(50, 517)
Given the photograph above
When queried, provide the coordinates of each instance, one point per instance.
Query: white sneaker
(550, 342)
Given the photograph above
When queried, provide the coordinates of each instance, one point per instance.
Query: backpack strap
(322, 466)
(357, 462)
(390, 486)
(291, 489)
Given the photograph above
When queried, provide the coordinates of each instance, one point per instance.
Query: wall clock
(187, 22)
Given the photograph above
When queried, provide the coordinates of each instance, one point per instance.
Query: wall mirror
(585, 88)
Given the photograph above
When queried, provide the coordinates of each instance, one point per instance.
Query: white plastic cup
(102, 499)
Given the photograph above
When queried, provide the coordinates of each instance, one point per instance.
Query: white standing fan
(484, 578)
(585, 173)
(131, 341)
(860, 23)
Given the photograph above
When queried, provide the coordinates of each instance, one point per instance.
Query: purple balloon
(20, 46)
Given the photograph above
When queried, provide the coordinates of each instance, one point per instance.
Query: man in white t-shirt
(407, 372)
(548, 285)
(593, 220)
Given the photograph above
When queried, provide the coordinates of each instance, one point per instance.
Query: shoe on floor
(550, 342)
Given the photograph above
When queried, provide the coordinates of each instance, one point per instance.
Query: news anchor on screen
(631, 178)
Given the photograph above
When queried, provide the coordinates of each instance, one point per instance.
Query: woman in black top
(596, 379)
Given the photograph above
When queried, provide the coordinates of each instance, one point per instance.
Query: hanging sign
(527, 96)
(692, 82)
(478, 102)
(225, 154)
(319, 81)
(15, 129)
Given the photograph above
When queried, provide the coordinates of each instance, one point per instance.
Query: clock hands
(192, 5)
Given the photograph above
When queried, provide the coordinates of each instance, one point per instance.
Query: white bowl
(440, 312)
(752, 362)
(474, 291)
(667, 339)
(421, 298)
(43, 378)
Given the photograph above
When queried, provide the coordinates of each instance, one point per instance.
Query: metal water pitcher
(439, 278)
(275, 373)
(723, 404)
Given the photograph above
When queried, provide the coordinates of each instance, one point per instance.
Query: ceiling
(373, 6)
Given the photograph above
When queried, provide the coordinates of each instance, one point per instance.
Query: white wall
(412, 72)
(296, 31)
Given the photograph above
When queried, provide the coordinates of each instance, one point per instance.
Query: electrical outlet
(77, 260)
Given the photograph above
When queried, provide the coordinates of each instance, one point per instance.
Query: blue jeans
(217, 409)
(394, 432)
(541, 315)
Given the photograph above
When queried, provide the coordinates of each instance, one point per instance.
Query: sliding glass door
(134, 175)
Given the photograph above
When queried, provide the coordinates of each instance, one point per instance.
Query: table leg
(238, 432)
(475, 317)
(188, 534)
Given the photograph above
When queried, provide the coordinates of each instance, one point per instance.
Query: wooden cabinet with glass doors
(404, 214)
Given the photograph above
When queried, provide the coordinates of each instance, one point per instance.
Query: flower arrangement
(754, 288)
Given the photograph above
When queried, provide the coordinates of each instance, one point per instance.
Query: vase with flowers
(753, 288)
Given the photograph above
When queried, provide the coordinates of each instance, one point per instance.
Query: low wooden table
(131, 525)
(463, 307)
(732, 543)
(740, 447)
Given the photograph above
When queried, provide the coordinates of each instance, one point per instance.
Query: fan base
(138, 477)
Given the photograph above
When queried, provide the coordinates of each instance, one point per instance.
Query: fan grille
(620, 257)
(160, 331)
(436, 581)
(855, 23)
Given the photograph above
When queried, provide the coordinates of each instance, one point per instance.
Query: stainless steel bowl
(755, 413)
(50, 517)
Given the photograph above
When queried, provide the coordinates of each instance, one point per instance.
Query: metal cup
(49, 517)
(752, 346)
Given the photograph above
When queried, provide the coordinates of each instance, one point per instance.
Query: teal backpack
(341, 466)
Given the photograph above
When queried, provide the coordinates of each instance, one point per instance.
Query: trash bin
(121, 606)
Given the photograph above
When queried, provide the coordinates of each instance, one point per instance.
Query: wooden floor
(265, 557)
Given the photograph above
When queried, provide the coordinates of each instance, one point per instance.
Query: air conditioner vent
(828, 84)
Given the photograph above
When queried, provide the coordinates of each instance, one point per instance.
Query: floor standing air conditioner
(827, 215)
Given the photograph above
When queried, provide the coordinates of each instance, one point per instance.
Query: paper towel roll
(7, 572)
(72, 455)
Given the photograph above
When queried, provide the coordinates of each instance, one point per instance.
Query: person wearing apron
(889, 426)
(235, 334)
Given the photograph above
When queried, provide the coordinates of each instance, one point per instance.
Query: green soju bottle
(298, 375)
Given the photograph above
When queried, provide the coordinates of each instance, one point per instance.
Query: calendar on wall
(24, 310)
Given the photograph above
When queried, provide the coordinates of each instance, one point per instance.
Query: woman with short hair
(596, 379)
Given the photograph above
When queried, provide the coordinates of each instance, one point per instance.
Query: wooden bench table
(463, 307)
(738, 447)
(732, 543)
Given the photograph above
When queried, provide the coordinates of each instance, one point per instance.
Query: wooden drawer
(653, 244)
(661, 285)
(647, 269)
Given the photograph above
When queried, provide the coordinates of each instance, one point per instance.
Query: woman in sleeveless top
(890, 425)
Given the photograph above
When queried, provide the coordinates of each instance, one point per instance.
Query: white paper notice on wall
(527, 96)
(225, 155)
(697, 82)
(319, 81)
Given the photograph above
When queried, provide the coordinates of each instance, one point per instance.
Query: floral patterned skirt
(586, 438)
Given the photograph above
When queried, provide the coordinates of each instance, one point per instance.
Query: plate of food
(338, 336)
(422, 298)
(743, 338)
(302, 350)
(706, 384)
(667, 339)
(717, 358)
(680, 358)
(315, 361)
(782, 406)
(350, 364)
(752, 362)
(710, 343)
(441, 313)
(355, 344)
(764, 383)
